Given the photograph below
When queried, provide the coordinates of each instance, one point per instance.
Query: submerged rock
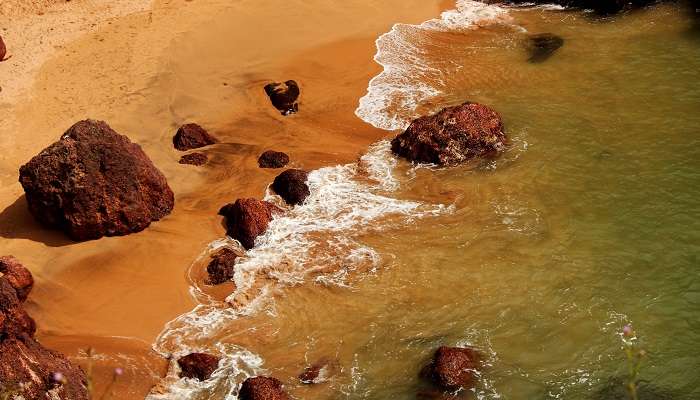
(452, 136)
(273, 159)
(3, 49)
(246, 219)
(194, 159)
(317, 372)
(220, 268)
(262, 388)
(284, 96)
(192, 136)
(198, 366)
(28, 369)
(543, 45)
(291, 186)
(94, 182)
(452, 368)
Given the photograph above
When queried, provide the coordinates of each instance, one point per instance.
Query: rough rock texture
(284, 96)
(273, 159)
(291, 186)
(194, 159)
(262, 388)
(94, 182)
(26, 367)
(192, 136)
(198, 366)
(453, 135)
(247, 219)
(452, 367)
(542, 46)
(220, 268)
(3, 49)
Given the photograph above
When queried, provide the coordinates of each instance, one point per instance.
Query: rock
(192, 136)
(17, 275)
(220, 268)
(198, 366)
(262, 388)
(543, 45)
(452, 136)
(284, 96)
(194, 159)
(452, 368)
(94, 182)
(3, 49)
(247, 219)
(599, 7)
(273, 159)
(316, 373)
(291, 186)
(14, 320)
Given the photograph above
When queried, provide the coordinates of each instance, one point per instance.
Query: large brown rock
(192, 136)
(221, 266)
(17, 275)
(262, 388)
(94, 182)
(246, 219)
(291, 186)
(273, 159)
(198, 366)
(452, 136)
(284, 96)
(452, 368)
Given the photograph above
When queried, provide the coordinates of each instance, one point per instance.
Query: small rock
(273, 159)
(17, 275)
(198, 366)
(262, 388)
(3, 49)
(246, 219)
(452, 368)
(192, 136)
(543, 45)
(291, 186)
(316, 373)
(284, 96)
(194, 159)
(220, 268)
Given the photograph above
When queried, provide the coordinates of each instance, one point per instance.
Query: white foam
(393, 95)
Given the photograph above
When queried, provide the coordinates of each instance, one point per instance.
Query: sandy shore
(147, 67)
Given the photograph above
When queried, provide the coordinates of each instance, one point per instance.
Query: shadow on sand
(17, 223)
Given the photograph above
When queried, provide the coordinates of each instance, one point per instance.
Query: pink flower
(118, 372)
(627, 331)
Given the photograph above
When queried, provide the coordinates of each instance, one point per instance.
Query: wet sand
(146, 72)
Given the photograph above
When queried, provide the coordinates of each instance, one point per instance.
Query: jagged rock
(452, 368)
(291, 186)
(262, 388)
(452, 136)
(220, 268)
(273, 159)
(284, 96)
(194, 159)
(198, 366)
(17, 275)
(192, 136)
(94, 182)
(543, 45)
(246, 219)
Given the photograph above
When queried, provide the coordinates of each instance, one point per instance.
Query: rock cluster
(94, 182)
(284, 96)
(273, 159)
(262, 388)
(198, 366)
(192, 136)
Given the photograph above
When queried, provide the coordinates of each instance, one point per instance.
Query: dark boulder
(3, 49)
(291, 186)
(452, 368)
(246, 219)
(542, 46)
(599, 7)
(17, 275)
(94, 182)
(453, 135)
(273, 159)
(194, 159)
(284, 96)
(220, 268)
(192, 136)
(262, 388)
(198, 366)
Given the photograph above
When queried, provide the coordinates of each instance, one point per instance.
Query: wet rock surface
(194, 159)
(452, 136)
(192, 136)
(273, 159)
(262, 388)
(198, 366)
(26, 367)
(94, 182)
(542, 46)
(452, 368)
(284, 96)
(221, 266)
(291, 186)
(246, 219)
